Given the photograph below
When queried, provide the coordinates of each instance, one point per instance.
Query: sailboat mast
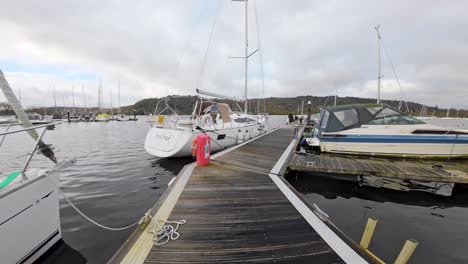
(246, 54)
(118, 109)
(99, 94)
(55, 101)
(84, 99)
(379, 76)
(336, 94)
(110, 94)
(73, 99)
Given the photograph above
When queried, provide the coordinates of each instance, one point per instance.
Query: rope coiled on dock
(167, 232)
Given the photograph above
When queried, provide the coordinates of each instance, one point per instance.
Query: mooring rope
(167, 232)
(141, 220)
(162, 235)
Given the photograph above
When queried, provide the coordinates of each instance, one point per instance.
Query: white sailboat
(172, 136)
(29, 200)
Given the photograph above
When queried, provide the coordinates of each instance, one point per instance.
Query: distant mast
(378, 76)
(73, 99)
(336, 95)
(55, 101)
(99, 95)
(118, 101)
(84, 99)
(302, 108)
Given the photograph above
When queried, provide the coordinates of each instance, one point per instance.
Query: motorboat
(174, 136)
(29, 199)
(102, 118)
(122, 117)
(113, 117)
(86, 117)
(74, 117)
(379, 130)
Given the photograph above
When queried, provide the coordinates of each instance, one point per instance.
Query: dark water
(114, 182)
(440, 224)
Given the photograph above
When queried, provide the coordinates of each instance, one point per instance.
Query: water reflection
(61, 252)
(331, 188)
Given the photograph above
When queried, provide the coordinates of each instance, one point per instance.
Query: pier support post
(368, 232)
(407, 251)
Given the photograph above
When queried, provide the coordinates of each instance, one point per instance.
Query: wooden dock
(352, 166)
(238, 209)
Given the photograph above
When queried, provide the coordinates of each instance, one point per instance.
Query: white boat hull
(397, 141)
(164, 142)
(29, 219)
(404, 150)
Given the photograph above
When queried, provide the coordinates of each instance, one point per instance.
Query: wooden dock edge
(140, 242)
(460, 177)
(350, 254)
(138, 245)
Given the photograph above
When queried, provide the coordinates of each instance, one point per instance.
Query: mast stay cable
(260, 55)
(202, 70)
(394, 73)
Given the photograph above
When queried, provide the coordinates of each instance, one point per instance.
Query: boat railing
(43, 128)
(173, 116)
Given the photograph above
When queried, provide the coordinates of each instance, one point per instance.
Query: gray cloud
(309, 47)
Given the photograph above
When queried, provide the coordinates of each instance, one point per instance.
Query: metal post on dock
(407, 251)
(309, 111)
(33, 151)
(134, 114)
(68, 116)
(368, 232)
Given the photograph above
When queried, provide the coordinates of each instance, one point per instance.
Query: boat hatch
(339, 118)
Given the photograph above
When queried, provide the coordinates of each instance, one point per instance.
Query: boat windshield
(344, 117)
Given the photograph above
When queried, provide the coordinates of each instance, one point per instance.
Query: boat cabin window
(347, 117)
(243, 120)
(386, 112)
(395, 120)
(324, 120)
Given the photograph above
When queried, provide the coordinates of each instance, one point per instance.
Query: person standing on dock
(290, 118)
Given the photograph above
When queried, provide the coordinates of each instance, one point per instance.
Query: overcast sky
(156, 48)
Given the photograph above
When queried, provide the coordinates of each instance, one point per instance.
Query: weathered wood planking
(366, 167)
(236, 214)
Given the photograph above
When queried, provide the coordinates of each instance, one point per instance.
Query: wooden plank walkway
(239, 209)
(352, 166)
(236, 214)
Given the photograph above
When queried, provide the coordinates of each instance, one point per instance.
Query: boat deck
(353, 166)
(238, 211)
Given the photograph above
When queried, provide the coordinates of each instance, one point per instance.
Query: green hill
(183, 105)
